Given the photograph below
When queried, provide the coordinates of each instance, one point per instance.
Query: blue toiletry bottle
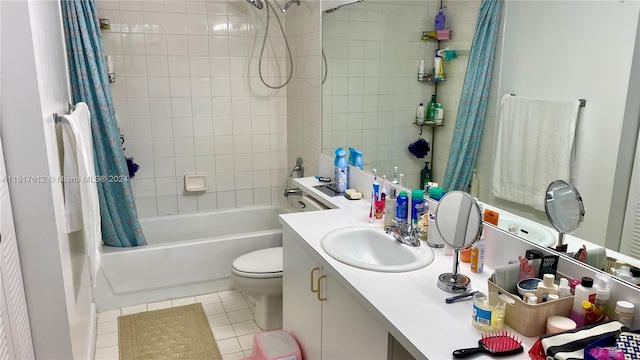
(357, 159)
(402, 207)
(340, 170)
(351, 156)
(440, 20)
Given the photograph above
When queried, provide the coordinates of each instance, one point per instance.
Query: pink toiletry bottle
(584, 291)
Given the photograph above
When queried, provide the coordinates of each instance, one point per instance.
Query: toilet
(259, 275)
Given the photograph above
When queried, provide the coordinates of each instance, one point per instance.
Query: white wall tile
(187, 105)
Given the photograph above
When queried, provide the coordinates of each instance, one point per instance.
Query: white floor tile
(134, 309)
(240, 315)
(251, 301)
(107, 340)
(230, 295)
(234, 356)
(228, 346)
(183, 301)
(159, 305)
(213, 309)
(245, 328)
(108, 353)
(247, 353)
(218, 320)
(208, 298)
(109, 315)
(107, 327)
(234, 305)
(246, 341)
(223, 332)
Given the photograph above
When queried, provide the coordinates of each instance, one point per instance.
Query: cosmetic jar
(488, 312)
(558, 324)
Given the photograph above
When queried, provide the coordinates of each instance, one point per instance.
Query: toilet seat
(260, 264)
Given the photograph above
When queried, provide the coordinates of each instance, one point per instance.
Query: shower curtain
(90, 84)
(473, 101)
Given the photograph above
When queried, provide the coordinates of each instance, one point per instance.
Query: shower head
(257, 3)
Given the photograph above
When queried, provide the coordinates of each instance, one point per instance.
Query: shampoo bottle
(584, 291)
(402, 207)
(546, 287)
(438, 73)
(340, 170)
(420, 114)
(425, 176)
(602, 293)
(421, 74)
(417, 206)
(431, 109)
(440, 20)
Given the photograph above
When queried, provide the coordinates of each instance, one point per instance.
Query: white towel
(535, 140)
(81, 191)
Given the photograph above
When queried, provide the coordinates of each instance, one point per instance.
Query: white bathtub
(186, 255)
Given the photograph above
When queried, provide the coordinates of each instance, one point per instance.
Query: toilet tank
(307, 203)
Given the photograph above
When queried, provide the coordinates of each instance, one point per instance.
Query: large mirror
(546, 49)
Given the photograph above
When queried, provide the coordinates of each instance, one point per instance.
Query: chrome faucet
(288, 192)
(403, 233)
(298, 169)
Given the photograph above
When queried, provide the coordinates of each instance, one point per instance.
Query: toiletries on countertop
(440, 20)
(491, 217)
(477, 256)
(420, 114)
(584, 291)
(417, 206)
(624, 313)
(401, 180)
(603, 293)
(546, 287)
(395, 176)
(340, 170)
(425, 177)
(563, 289)
(383, 188)
(390, 208)
(402, 208)
(548, 265)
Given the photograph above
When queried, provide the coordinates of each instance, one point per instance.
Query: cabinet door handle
(319, 288)
(311, 282)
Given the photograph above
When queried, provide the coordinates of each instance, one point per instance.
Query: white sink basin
(371, 249)
(527, 230)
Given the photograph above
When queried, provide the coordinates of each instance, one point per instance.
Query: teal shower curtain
(473, 101)
(90, 84)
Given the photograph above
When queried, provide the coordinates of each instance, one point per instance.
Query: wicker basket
(531, 320)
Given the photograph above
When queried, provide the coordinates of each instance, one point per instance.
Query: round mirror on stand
(459, 222)
(564, 208)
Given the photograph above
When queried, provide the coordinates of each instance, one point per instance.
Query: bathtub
(186, 255)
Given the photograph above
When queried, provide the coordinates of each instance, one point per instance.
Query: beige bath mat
(176, 333)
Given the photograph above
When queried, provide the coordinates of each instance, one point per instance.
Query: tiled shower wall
(189, 100)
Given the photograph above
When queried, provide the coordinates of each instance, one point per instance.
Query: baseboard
(93, 333)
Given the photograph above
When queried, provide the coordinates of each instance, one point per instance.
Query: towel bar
(57, 118)
(583, 102)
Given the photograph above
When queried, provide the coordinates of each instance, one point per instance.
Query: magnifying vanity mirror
(564, 208)
(459, 223)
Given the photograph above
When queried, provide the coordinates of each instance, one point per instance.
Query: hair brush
(498, 344)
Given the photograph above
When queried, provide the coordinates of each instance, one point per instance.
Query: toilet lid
(263, 261)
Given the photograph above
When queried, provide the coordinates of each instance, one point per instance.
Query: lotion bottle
(421, 73)
(420, 114)
(584, 291)
(390, 208)
(546, 287)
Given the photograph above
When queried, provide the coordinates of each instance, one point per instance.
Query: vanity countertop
(409, 305)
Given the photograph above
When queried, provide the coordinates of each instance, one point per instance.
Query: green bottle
(432, 109)
(425, 175)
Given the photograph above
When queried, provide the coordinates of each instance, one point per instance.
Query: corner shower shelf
(428, 123)
(433, 35)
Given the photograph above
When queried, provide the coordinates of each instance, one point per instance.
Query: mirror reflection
(546, 50)
(564, 208)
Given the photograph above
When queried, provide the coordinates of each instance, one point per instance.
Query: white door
(15, 333)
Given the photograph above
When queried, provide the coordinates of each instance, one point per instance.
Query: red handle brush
(497, 344)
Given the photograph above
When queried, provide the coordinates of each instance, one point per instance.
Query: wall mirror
(370, 95)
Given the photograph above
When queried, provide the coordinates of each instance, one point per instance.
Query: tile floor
(230, 315)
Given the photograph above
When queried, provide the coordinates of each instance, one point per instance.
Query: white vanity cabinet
(325, 319)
